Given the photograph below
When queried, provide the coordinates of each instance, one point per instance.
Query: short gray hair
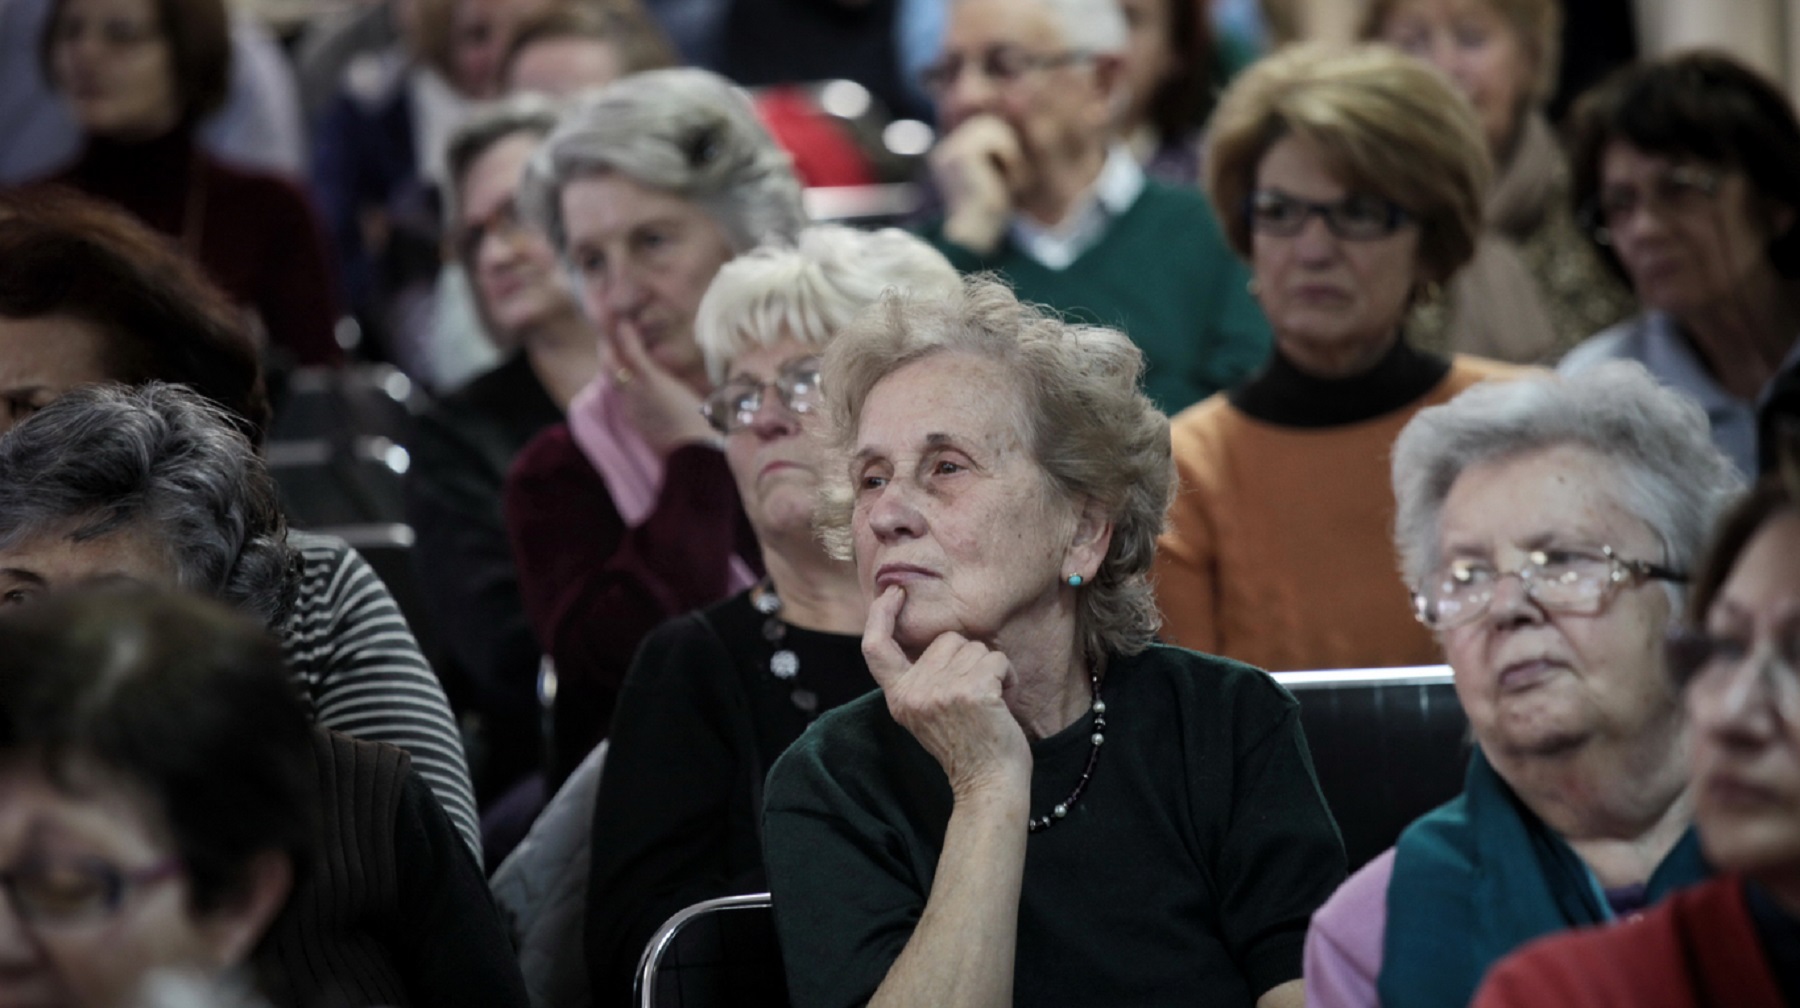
(105, 459)
(488, 124)
(1667, 471)
(687, 132)
(1091, 430)
(810, 290)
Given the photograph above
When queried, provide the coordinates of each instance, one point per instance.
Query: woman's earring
(1075, 580)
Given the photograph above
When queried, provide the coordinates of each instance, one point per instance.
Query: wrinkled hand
(951, 701)
(662, 407)
(980, 168)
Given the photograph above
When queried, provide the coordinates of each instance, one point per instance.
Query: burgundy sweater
(593, 588)
(258, 237)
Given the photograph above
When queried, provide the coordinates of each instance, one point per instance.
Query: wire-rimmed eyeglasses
(1574, 581)
(733, 406)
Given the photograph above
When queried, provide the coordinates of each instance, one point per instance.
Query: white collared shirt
(1117, 187)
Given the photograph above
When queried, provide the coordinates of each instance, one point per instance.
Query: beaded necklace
(1040, 823)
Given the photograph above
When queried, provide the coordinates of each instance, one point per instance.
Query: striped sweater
(364, 675)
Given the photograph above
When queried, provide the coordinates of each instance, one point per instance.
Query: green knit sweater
(1164, 275)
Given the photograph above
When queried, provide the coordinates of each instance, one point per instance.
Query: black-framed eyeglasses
(55, 893)
(1356, 217)
(1576, 581)
(1677, 190)
(733, 406)
(1001, 64)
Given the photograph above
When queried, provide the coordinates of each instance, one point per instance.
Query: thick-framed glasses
(1356, 217)
(1678, 190)
(733, 406)
(1562, 580)
(1001, 64)
(1702, 660)
(61, 893)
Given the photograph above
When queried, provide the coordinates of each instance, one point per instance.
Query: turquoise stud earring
(1074, 580)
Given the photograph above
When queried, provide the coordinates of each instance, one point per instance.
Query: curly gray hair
(1666, 471)
(683, 131)
(1091, 430)
(810, 290)
(103, 459)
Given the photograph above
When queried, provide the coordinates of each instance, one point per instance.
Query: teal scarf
(1476, 878)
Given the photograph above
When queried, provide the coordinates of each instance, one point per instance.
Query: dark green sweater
(1185, 875)
(1163, 274)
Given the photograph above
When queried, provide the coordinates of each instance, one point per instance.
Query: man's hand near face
(981, 169)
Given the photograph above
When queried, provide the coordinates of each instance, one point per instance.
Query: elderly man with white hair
(1037, 188)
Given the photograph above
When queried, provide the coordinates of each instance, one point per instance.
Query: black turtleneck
(1779, 933)
(1286, 396)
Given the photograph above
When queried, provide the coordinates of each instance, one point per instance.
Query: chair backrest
(322, 482)
(1389, 745)
(717, 952)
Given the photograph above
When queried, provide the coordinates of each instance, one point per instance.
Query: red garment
(593, 588)
(256, 234)
(1698, 948)
(823, 152)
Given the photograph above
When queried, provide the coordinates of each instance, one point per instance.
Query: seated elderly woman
(715, 696)
(162, 815)
(89, 295)
(626, 516)
(963, 837)
(1690, 168)
(1729, 941)
(1350, 181)
(1544, 526)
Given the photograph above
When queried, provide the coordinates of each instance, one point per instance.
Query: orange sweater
(1280, 545)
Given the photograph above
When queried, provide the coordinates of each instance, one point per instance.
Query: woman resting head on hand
(1000, 487)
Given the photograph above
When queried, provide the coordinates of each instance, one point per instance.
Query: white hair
(1095, 26)
(809, 290)
(687, 132)
(1664, 468)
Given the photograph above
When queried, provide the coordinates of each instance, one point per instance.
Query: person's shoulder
(684, 650)
(552, 455)
(1641, 961)
(1621, 341)
(845, 743)
(1204, 425)
(320, 551)
(1207, 681)
(1345, 917)
(239, 184)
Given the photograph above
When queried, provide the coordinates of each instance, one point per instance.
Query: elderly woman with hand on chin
(627, 516)
(1040, 805)
(716, 695)
(1544, 526)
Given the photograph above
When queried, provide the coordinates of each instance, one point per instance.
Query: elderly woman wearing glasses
(1349, 181)
(715, 696)
(1729, 941)
(1690, 169)
(1545, 526)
